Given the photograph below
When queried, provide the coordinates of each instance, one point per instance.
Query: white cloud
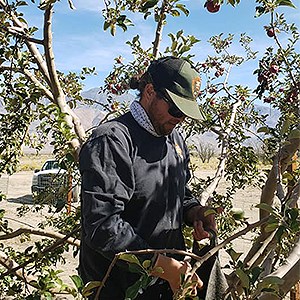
(89, 5)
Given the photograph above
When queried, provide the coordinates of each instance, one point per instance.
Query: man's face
(158, 113)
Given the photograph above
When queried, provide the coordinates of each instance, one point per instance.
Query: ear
(147, 96)
(149, 90)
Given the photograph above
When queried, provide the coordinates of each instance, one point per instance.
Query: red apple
(114, 106)
(212, 90)
(274, 69)
(119, 60)
(218, 73)
(262, 77)
(269, 99)
(270, 32)
(222, 115)
(212, 102)
(211, 6)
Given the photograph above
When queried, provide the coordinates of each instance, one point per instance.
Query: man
(134, 184)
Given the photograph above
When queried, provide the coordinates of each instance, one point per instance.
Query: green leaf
(133, 268)
(133, 291)
(113, 29)
(256, 271)
(237, 214)
(159, 270)
(243, 277)
(285, 126)
(293, 213)
(146, 263)
(263, 130)
(135, 39)
(175, 13)
(131, 258)
(149, 4)
(77, 281)
(233, 254)
(260, 10)
(106, 25)
(294, 134)
(272, 280)
(280, 233)
(271, 227)
(265, 207)
(87, 289)
(288, 3)
(183, 9)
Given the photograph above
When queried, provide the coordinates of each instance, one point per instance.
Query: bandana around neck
(142, 118)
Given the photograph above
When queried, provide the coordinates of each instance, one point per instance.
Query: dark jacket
(134, 196)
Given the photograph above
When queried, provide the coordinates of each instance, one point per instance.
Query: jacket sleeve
(107, 186)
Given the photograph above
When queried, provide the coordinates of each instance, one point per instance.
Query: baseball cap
(180, 80)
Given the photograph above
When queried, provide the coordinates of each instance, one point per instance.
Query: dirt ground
(18, 193)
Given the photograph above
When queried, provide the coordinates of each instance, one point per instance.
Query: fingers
(207, 215)
(199, 232)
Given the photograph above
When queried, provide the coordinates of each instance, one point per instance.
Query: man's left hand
(203, 220)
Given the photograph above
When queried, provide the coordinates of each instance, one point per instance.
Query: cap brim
(189, 107)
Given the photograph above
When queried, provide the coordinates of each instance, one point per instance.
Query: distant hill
(94, 94)
(91, 115)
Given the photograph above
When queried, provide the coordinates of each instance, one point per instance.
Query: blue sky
(79, 38)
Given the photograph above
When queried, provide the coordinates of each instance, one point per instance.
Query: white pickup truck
(52, 180)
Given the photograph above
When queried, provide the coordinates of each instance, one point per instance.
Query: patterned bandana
(142, 118)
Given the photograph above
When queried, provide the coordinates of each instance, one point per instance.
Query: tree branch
(34, 80)
(288, 272)
(31, 46)
(199, 260)
(205, 195)
(19, 32)
(71, 118)
(51, 234)
(52, 247)
(49, 55)
(267, 245)
(268, 191)
(9, 264)
(159, 29)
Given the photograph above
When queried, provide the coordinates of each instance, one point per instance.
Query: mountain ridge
(91, 115)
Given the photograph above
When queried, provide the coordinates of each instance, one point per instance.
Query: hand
(185, 268)
(203, 221)
(172, 270)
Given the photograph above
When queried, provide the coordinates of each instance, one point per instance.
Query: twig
(48, 249)
(283, 56)
(51, 234)
(159, 29)
(248, 228)
(278, 175)
(199, 260)
(8, 263)
(267, 243)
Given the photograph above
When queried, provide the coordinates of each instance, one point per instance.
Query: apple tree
(32, 88)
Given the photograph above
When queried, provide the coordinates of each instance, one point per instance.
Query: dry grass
(211, 165)
(214, 161)
(30, 162)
